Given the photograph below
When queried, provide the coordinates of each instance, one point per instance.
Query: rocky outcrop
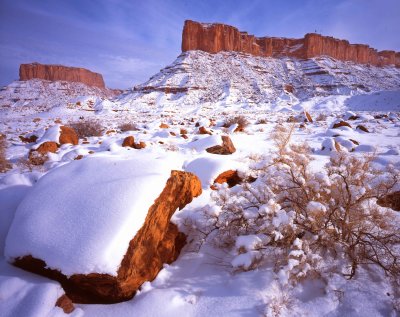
(157, 242)
(216, 37)
(129, 141)
(68, 136)
(231, 177)
(225, 148)
(60, 73)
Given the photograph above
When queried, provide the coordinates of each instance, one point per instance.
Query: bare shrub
(278, 302)
(128, 126)
(241, 121)
(321, 117)
(262, 121)
(281, 136)
(87, 128)
(300, 216)
(4, 163)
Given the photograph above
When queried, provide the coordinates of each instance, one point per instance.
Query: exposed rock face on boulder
(129, 141)
(39, 156)
(392, 201)
(156, 242)
(226, 148)
(68, 136)
(341, 124)
(230, 177)
(203, 130)
(216, 37)
(47, 147)
(60, 73)
(362, 128)
(65, 304)
(28, 139)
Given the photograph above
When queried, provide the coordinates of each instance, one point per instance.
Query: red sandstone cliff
(58, 72)
(216, 37)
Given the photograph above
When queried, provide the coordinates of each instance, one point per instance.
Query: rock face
(216, 37)
(60, 73)
(157, 242)
(230, 177)
(68, 136)
(65, 304)
(225, 148)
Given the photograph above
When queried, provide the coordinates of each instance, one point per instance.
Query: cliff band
(216, 37)
(62, 73)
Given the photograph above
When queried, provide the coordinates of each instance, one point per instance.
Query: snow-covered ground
(202, 282)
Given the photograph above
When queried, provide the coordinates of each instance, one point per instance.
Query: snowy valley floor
(202, 281)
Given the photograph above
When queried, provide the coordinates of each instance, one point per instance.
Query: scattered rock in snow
(28, 139)
(329, 145)
(341, 124)
(39, 156)
(203, 130)
(140, 145)
(308, 117)
(362, 128)
(129, 141)
(68, 135)
(226, 148)
(65, 304)
(230, 177)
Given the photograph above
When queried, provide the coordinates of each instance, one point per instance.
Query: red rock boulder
(157, 242)
(341, 124)
(225, 148)
(230, 177)
(68, 136)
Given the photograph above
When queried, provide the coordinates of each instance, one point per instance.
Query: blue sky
(129, 41)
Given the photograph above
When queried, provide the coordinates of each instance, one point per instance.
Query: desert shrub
(305, 219)
(321, 117)
(262, 121)
(241, 121)
(4, 163)
(87, 128)
(128, 126)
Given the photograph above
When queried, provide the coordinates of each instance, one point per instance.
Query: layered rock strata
(216, 37)
(60, 73)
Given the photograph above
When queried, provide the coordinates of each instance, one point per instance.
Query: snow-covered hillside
(228, 78)
(35, 95)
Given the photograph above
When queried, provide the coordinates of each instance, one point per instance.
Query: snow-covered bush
(305, 219)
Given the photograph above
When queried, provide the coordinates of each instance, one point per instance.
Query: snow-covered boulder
(213, 169)
(60, 135)
(225, 148)
(101, 226)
